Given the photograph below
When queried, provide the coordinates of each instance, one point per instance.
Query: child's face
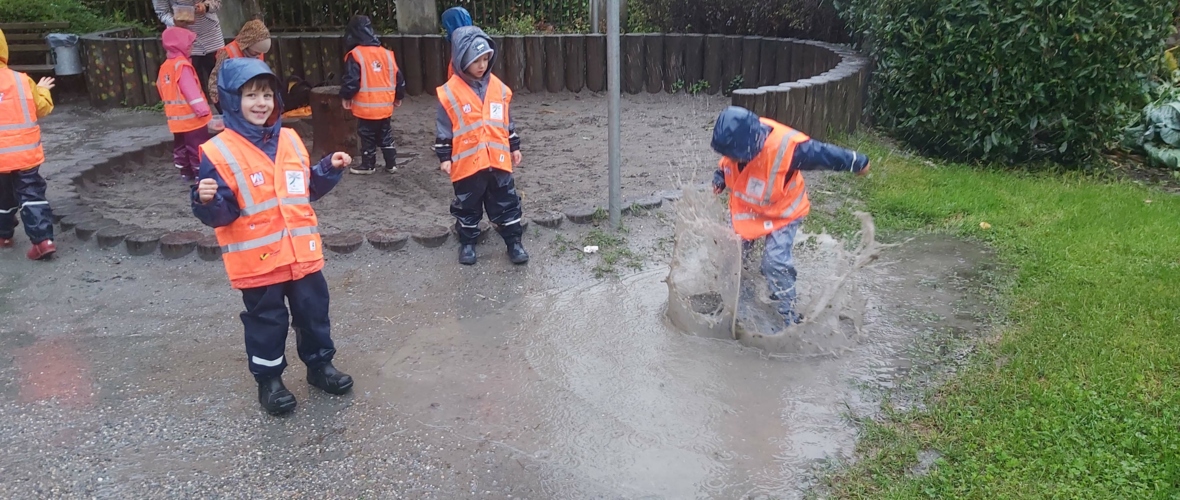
(258, 102)
(479, 66)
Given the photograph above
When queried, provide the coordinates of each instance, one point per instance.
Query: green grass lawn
(1078, 394)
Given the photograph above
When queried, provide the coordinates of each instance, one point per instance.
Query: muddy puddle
(595, 391)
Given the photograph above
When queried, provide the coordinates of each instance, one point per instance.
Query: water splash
(716, 290)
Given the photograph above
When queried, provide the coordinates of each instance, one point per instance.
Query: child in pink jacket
(184, 101)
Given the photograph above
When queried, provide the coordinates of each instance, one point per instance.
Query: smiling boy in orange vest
(184, 101)
(477, 145)
(372, 86)
(760, 164)
(21, 186)
(256, 188)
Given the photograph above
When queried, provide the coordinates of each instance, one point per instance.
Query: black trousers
(204, 66)
(489, 189)
(376, 134)
(266, 322)
(24, 191)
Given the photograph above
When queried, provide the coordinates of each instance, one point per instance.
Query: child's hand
(516, 158)
(46, 83)
(347, 103)
(341, 160)
(445, 167)
(206, 190)
(397, 104)
(200, 8)
(864, 171)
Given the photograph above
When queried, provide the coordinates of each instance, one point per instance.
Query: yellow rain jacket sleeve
(41, 96)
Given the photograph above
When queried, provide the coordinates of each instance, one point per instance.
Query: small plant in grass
(612, 251)
(698, 87)
(677, 86)
(735, 84)
(600, 214)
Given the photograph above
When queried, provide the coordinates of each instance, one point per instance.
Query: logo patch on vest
(312, 245)
(466, 108)
(768, 225)
(168, 79)
(755, 188)
(376, 66)
(295, 183)
(497, 111)
(256, 178)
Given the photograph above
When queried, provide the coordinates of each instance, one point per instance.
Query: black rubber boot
(330, 380)
(516, 253)
(274, 396)
(467, 254)
(390, 155)
(368, 164)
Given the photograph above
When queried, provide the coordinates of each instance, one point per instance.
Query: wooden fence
(816, 87)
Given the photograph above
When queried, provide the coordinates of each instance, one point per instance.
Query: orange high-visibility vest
(234, 50)
(181, 117)
(20, 136)
(277, 226)
(480, 128)
(378, 83)
(767, 195)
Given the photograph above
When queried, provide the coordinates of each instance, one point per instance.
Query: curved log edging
(816, 87)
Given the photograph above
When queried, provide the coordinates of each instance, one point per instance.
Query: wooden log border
(819, 88)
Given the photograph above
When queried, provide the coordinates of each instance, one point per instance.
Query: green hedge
(82, 19)
(1009, 80)
(809, 19)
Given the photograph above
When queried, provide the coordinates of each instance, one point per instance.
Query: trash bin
(66, 59)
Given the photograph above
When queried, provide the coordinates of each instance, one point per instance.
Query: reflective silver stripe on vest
(746, 198)
(183, 117)
(243, 186)
(254, 243)
(468, 128)
(295, 201)
(304, 231)
(454, 105)
(479, 147)
(176, 103)
(261, 207)
(17, 149)
(794, 205)
(372, 104)
(745, 216)
(303, 160)
(28, 120)
(778, 163)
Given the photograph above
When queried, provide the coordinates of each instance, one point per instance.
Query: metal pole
(612, 111)
(594, 17)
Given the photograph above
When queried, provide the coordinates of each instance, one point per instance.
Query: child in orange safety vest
(21, 186)
(372, 87)
(761, 164)
(184, 101)
(256, 188)
(477, 145)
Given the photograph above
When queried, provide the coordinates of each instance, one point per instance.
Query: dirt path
(564, 146)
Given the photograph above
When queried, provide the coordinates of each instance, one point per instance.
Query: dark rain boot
(368, 164)
(328, 379)
(274, 396)
(390, 155)
(467, 254)
(516, 253)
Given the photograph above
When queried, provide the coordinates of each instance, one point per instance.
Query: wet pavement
(125, 377)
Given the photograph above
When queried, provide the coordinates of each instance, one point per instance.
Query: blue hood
(235, 73)
(738, 134)
(455, 18)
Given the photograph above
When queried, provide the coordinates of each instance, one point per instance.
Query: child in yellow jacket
(21, 186)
